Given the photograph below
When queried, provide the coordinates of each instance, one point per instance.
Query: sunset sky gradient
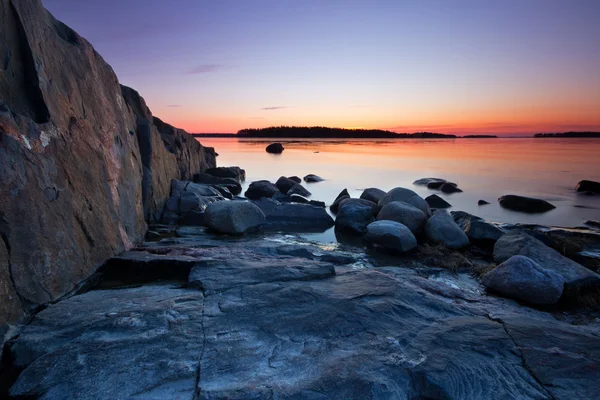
(509, 67)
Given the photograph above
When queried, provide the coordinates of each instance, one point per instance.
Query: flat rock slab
(137, 343)
(215, 276)
(263, 325)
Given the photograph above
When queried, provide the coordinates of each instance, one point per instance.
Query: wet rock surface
(250, 321)
(525, 204)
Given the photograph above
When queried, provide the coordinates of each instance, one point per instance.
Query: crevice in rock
(522, 356)
(198, 389)
(39, 109)
(87, 234)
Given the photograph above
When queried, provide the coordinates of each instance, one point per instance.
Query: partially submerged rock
(478, 230)
(311, 178)
(449, 187)
(284, 184)
(260, 189)
(441, 229)
(427, 181)
(391, 235)
(275, 148)
(234, 217)
(576, 276)
(407, 196)
(232, 183)
(588, 187)
(336, 203)
(300, 190)
(228, 172)
(523, 279)
(404, 213)
(525, 204)
(436, 201)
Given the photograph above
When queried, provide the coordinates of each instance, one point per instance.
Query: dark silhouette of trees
(325, 132)
(568, 135)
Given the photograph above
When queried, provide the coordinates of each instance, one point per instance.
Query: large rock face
(74, 186)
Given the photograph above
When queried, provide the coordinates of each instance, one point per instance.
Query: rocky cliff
(83, 163)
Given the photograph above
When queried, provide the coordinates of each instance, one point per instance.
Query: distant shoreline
(583, 135)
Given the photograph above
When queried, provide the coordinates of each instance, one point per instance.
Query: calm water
(484, 168)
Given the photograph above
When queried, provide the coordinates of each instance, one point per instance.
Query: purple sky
(451, 66)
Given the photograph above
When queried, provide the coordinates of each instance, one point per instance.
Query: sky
(506, 67)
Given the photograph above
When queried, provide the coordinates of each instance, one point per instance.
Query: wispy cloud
(174, 105)
(273, 108)
(204, 69)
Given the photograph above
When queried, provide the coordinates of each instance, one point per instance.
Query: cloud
(204, 69)
(273, 108)
(174, 105)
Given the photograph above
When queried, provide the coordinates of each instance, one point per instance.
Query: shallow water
(484, 168)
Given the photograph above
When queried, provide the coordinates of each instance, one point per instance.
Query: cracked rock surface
(253, 321)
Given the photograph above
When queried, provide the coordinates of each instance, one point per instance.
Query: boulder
(236, 173)
(482, 203)
(317, 203)
(525, 204)
(275, 148)
(260, 189)
(233, 217)
(407, 196)
(436, 201)
(299, 189)
(435, 185)
(294, 217)
(442, 229)
(310, 178)
(295, 179)
(224, 191)
(284, 184)
(449, 187)
(354, 215)
(372, 194)
(336, 203)
(523, 279)
(478, 230)
(405, 214)
(427, 181)
(576, 276)
(179, 188)
(234, 186)
(588, 186)
(391, 235)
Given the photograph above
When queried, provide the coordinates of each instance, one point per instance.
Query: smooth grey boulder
(296, 198)
(436, 184)
(407, 196)
(391, 235)
(311, 178)
(442, 229)
(224, 191)
(180, 187)
(478, 230)
(372, 194)
(576, 276)
(299, 190)
(233, 217)
(260, 189)
(482, 203)
(295, 179)
(525, 204)
(284, 184)
(275, 148)
(404, 213)
(523, 279)
(588, 187)
(334, 207)
(354, 215)
(294, 216)
(436, 201)
(228, 172)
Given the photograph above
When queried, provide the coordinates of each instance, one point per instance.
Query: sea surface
(485, 169)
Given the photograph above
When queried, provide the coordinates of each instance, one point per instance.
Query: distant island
(568, 135)
(306, 132)
(480, 137)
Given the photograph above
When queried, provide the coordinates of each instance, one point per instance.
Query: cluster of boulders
(396, 220)
(528, 270)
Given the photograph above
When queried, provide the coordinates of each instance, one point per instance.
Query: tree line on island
(568, 135)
